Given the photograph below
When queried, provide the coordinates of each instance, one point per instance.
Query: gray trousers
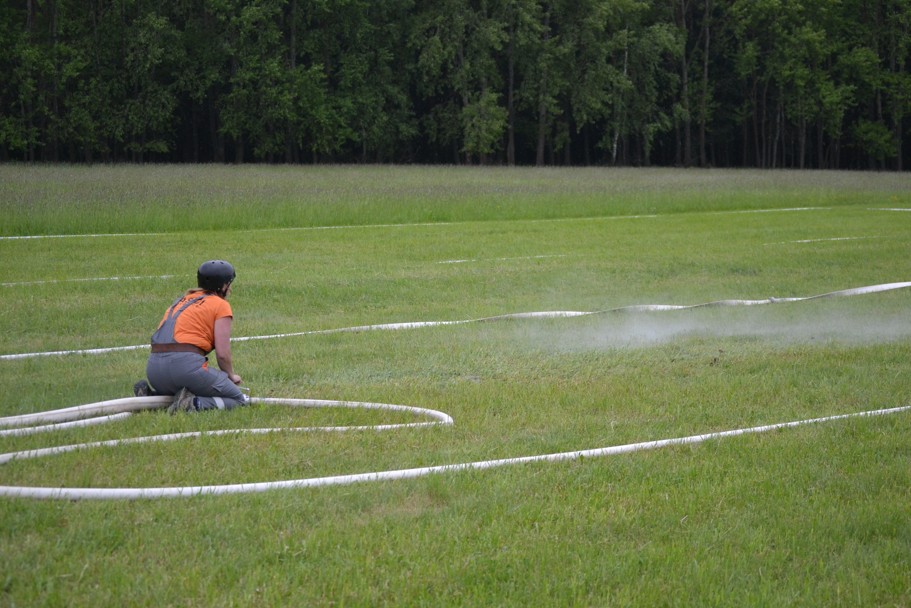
(170, 372)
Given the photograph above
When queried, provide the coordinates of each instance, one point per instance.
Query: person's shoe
(184, 401)
(142, 389)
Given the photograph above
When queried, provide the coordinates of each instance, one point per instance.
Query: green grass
(126, 198)
(815, 515)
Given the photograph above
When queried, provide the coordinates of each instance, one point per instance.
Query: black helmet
(213, 275)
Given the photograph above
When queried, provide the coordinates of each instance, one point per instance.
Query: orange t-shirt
(196, 325)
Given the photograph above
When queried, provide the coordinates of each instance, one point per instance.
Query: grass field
(816, 515)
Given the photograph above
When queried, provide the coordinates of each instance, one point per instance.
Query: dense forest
(724, 83)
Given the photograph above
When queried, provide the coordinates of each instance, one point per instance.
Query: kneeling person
(194, 325)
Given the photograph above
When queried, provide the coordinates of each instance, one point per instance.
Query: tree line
(727, 83)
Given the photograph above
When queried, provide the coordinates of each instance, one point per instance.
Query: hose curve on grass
(116, 409)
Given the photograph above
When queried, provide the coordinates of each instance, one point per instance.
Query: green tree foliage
(767, 83)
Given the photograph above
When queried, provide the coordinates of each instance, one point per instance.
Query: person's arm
(223, 348)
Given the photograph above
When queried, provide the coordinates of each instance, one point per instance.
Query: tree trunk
(619, 119)
(897, 133)
(820, 145)
(762, 157)
(685, 91)
(510, 100)
(542, 106)
(290, 148)
(703, 109)
(778, 112)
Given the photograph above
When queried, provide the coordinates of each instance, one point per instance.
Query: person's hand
(234, 378)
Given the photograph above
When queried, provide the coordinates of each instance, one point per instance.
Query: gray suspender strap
(165, 333)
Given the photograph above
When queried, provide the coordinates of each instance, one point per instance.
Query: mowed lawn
(812, 515)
